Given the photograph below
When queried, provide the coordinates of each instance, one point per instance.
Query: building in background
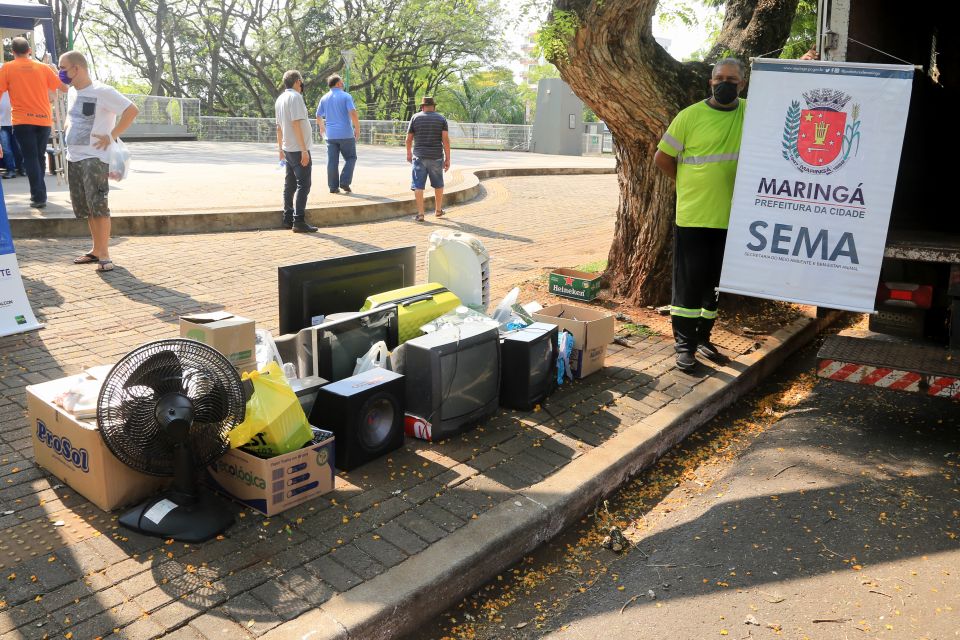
(529, 60)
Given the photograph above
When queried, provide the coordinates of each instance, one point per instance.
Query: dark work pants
(297, 181)
(33, 146)
(697, 260)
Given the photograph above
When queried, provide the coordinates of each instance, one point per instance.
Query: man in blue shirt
(339, 124)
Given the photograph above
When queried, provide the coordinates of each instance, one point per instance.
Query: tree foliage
(487, 96)
(232, 53)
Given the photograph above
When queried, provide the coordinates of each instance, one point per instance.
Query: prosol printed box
(74, 452)
(273, 485)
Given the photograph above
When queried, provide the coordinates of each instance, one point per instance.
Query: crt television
(529, 365)
(320, 288)
(453, 376)
(330, 350)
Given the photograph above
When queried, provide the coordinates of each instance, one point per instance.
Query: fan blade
(161, 372)
(212, 405)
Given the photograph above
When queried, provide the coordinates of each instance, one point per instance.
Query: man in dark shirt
(428, 148)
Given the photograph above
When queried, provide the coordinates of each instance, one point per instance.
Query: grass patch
(638, 330)
(596, 266)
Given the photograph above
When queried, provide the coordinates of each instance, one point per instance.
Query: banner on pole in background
(15, 312)
(815, 181)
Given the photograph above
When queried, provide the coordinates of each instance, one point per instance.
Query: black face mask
(725, 92)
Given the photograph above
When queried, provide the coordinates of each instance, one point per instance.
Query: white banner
(15, 312)
(815, 181)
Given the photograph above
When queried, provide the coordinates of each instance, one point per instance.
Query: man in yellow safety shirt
(700, 151)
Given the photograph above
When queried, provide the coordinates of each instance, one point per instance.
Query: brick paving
(265, 571)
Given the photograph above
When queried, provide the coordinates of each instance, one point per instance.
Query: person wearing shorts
(92, 127)
(428, 150)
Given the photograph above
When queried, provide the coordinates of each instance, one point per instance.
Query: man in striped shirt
(428, 149)
(700, 151)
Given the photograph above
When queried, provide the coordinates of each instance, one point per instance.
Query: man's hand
(409, 156)
(356, 135)
(446, 164)
(102, 141)
(304, 158)
(283, 156)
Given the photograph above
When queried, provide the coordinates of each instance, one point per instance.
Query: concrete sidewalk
(203, 187)
(401, 537)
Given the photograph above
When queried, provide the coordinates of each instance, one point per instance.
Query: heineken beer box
(571, 283)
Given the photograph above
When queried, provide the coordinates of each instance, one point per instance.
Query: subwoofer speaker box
(365, 413)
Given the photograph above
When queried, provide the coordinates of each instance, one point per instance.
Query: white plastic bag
(266, 349)
(119, 160)
(503, 313)
(375, 357)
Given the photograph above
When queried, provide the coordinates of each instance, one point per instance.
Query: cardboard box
(233, 336)
(570, 283)
(74, 452)
(592, 331)
(275, 484)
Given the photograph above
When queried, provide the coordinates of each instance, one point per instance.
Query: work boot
(686, 361)
(299, 226)
(710, 352)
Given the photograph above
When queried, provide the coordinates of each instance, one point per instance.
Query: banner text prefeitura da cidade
(815, 181)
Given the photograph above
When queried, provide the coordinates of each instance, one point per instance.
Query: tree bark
(616, 67)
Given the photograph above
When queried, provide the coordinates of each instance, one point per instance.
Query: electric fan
(165, 409)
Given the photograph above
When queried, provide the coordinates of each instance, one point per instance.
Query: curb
(253, 220)
(399, 600)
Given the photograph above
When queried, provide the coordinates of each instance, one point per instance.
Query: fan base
(175, 515)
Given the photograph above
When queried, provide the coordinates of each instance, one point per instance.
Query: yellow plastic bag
(275, 423)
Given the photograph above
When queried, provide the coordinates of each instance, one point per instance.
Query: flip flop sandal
(440, 213)
(105, 265)
(86, 258)
(418, 218)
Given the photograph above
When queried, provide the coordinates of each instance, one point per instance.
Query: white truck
(913, 342)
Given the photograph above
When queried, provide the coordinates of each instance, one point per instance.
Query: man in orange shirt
(29, 82)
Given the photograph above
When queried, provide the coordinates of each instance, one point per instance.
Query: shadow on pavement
(171, 304)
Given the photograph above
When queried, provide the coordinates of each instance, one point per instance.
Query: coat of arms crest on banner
(821, 138)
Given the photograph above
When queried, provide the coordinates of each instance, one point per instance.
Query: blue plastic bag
(564, 349)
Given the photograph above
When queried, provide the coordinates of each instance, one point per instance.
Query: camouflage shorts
(88, 188)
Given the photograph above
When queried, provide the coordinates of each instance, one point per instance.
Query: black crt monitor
(452, 376)
(528, 365)
(330, 350)
(313, 289)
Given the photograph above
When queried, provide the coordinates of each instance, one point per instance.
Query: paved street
(814, 509)
(200, 177)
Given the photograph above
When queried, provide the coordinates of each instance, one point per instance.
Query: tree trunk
(616, 67)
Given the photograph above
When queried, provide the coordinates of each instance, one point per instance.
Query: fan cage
(127, 404)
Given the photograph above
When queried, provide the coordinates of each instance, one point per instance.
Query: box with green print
(233, 336)
(571, 283)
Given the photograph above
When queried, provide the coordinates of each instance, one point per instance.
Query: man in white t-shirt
(294, 137)
(92, 126)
